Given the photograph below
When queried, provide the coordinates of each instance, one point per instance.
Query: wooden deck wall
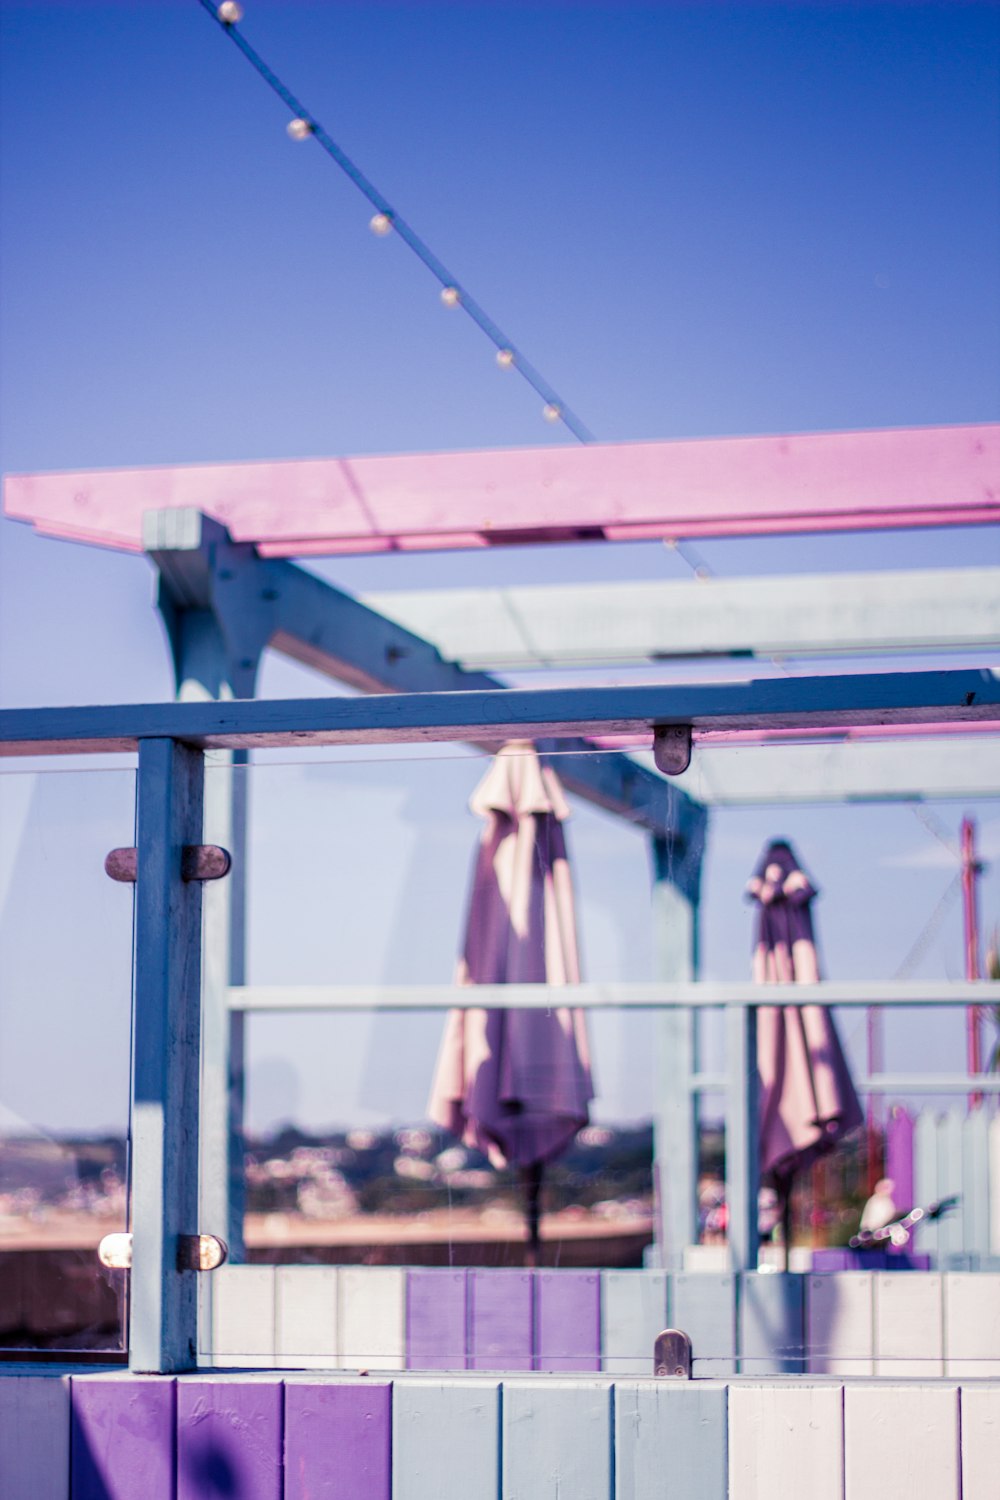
(385, 1318)
(122, 1437)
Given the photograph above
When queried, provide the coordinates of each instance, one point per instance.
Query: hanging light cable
(386, 221)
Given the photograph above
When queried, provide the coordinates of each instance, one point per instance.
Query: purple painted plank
(899, 1156)
(338, 1441)
(435, 1320)
(869, 1260)
(122, 1441)
(500, 1320)
(229, 1440)
(567, 1320)
(835, 1260)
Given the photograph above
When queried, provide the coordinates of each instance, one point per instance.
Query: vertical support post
(217, 623)
(742, 1152)
(222, 1102)
(971, 870)
(675, 960)
(163, 1312)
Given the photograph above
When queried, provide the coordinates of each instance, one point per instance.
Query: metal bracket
(198, 862)
(195, 1252)
(672, 748)
(115, 1252)
(201, 1252)
(672, 1355)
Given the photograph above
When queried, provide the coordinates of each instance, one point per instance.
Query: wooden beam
(832, 481)
(936, 609)
(894, 698)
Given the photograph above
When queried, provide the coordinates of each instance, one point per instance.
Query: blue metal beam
(881, 698)
(166, 1066)
(210, 585)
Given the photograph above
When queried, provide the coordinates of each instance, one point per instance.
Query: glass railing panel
(358, 871)
(65, 1037)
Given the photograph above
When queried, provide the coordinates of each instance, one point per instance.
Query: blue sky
(696, 220)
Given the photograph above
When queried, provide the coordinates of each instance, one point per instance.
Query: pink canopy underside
(934, 476)
(516, 1084)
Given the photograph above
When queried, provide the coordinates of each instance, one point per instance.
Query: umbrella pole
(531, 1179)
(785, 1193)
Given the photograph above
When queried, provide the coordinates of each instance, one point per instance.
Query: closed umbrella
(807, 1098)
(516, 1084)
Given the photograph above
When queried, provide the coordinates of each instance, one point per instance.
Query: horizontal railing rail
(960, 696)
(700, 995)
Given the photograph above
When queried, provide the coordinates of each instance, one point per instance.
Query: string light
(385, 220)
(301, 126)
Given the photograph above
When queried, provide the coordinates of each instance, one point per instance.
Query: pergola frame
(225, 595)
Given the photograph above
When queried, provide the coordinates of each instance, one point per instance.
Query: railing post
(675, 1145)
(742, 1152)
(163, 1306)
(217, 623)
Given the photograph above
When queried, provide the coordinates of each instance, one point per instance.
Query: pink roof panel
(935, 476)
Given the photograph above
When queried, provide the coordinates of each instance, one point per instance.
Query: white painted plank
(633, 1312)
(671, 1440)
(980, 1442)
(703, 1306)
(786, 1440)
(976, 1181)
(556, 1440)
(840, 1323)
(909, 1336)
(34, 1437)
(901, 1441)
(242, 1315)
(972, 1324)
(925, 1177)
(951, 1233)
(446, 1440)
(305, 1317)
(995, 1185)
(371, 1317)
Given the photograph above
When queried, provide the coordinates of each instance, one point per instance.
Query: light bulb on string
(227, 13)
